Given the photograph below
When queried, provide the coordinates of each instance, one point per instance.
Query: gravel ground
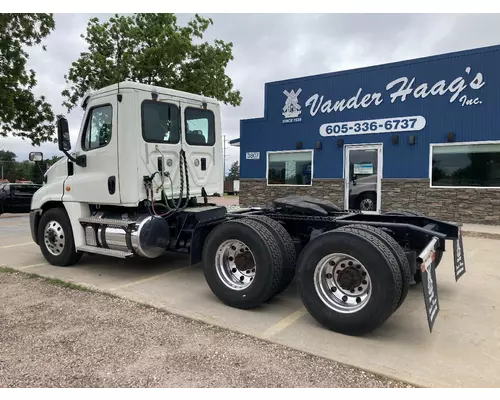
(53, 336)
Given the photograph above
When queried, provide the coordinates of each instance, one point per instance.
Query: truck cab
(138, 145)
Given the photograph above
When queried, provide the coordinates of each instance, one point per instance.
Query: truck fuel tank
(146, 236)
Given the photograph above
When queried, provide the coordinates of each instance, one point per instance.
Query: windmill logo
(291, 109)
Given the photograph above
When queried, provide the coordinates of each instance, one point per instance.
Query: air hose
(183, 170)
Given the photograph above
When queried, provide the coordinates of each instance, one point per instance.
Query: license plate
(458, 256)
(429, 282)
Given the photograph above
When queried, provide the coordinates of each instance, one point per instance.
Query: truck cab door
(203, 150)
(96, 182)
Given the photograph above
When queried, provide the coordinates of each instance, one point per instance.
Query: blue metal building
(421, 134)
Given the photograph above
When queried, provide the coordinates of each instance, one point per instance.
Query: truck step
(105, 252)
(106, 221)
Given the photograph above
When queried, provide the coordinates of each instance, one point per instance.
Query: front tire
(55, 238)
(350, 282)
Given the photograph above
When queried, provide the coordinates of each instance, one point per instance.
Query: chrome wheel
(367, 205)
(342, 283)
(54, 238)
(235, 264)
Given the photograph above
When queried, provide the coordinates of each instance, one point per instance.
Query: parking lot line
(284, 323)
(16, 245)
(138, 282)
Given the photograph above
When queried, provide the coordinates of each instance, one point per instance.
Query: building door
(362, 177)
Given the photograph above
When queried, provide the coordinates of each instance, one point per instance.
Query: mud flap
(458, 256)
(428, 270)
(429, 281)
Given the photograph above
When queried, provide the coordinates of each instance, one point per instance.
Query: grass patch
(52, 281)
(74, 286)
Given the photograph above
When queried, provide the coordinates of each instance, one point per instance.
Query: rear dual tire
(397, 252)
(287, 249)
(371, 281)
(243, 263)
(328, 293)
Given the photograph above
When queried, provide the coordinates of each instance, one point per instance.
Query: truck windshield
(160, 122)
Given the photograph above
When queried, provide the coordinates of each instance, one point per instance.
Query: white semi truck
(143, 157)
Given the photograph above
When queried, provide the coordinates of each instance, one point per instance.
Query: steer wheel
(55, 238)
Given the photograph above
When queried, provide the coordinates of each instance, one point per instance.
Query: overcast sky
(275, 47)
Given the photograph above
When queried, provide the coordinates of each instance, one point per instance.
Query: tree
(7, 164)
(234, 171)
(25, 170)
(53, 160)
(21, 113)
(37, 171)
(151, 49)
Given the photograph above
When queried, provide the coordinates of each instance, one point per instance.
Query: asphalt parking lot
(461, 352)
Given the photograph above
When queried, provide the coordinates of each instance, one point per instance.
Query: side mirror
(64, 142)
(36, 156)
(63, 138)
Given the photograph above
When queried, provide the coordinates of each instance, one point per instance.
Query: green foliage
(21, 113)
(7, 156)
(7, 164)
(25, 170)
(234, 171)
(53, 160)
(151, 49)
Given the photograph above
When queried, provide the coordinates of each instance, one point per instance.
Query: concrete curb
(484, 235)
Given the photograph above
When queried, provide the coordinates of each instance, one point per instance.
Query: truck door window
(160, 122)
(98, 128)
(200, 127)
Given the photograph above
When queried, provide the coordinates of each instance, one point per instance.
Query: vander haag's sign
(399, 89)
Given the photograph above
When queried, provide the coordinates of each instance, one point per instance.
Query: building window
(98, 128)
(289, 168)
(200, 127)
(160, 122)
(465, 165)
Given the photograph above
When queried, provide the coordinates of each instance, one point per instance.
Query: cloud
(271, 47)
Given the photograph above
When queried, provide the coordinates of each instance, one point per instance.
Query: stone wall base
(255, 192)
(480, 206)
